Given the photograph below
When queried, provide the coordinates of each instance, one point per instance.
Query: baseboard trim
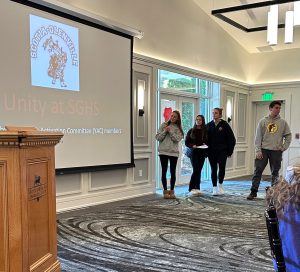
(72, 204)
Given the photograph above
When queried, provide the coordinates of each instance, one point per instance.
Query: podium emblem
(38, 190)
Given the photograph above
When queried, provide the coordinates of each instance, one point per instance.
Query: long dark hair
(178, 122)
(203, 127)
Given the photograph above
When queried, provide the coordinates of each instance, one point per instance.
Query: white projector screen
(63, 73)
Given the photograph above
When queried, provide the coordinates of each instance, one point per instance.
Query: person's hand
(194, 146)
(259, 155)
(167, 129)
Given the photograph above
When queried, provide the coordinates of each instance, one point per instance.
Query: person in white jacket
(273, 137)
(169, 135)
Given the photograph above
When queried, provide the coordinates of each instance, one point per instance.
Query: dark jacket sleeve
(231, 141)
(208, 134)
(188, 139)
(205, 136)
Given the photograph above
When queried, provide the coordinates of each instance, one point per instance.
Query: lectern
(27, 200)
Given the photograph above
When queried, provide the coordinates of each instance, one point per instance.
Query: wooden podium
(27, 201)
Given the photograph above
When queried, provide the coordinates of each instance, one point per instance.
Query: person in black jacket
(221, 142)
(196, 139)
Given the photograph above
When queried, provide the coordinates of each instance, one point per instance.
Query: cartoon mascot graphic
(58, 60)
(272, 128)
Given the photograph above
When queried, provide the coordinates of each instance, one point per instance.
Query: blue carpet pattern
(206, 233)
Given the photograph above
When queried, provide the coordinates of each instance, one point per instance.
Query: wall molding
(292, 84)
(187, 71)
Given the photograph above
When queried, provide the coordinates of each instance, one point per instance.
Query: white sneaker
(221, 189)
(215, 191)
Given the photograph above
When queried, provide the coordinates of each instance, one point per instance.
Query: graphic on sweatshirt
(272, 128)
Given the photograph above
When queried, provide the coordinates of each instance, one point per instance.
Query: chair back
(274, 237)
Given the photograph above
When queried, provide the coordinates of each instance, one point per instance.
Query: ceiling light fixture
(289, 27)
(272, 31)
(297, 13)
(273, 21)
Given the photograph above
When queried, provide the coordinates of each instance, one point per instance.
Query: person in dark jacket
(221, 142)
(196, 139)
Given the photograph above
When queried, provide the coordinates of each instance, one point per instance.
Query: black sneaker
(252, 195)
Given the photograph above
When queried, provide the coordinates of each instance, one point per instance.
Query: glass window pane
(204, 108)
(187, 116)
(203, 87)
(215, 94)
(170, 80)
(187, 122)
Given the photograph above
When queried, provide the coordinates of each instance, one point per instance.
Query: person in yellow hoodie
(273, 137)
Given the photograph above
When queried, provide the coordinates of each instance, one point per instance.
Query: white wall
(176, 31)
(179, 32)
(271, 67)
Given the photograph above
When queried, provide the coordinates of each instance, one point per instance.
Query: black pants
(274, 157)
(198, 158)
(164, 167)
(217, 159)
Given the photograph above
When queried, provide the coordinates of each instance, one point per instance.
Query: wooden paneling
(27, 202)
(38, 210)
(241, 125)
(14, 208)
(3, 218)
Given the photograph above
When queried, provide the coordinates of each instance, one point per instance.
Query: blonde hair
(283, 193)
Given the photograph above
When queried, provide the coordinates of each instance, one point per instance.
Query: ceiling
(253, 42)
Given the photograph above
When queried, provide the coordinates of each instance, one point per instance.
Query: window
(170, 80)
(191, 96)
(209, 98)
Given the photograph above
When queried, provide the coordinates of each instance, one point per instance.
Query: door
(262, 110)
(187, 107)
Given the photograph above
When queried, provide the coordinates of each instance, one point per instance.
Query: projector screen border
(92, 23)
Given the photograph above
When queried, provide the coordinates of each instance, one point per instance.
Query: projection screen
(64, 73)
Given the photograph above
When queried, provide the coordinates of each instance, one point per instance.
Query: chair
(274, 238)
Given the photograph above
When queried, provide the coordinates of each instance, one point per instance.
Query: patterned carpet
(221, 233)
